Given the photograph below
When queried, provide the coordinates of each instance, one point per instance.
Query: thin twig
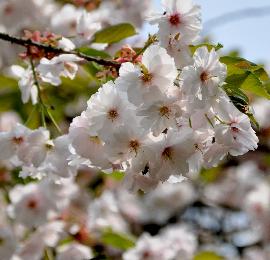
(49, 48)
(151, 40)
(43, 107)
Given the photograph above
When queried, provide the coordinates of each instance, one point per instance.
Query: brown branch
(48, 48)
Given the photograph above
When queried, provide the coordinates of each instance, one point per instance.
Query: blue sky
(251, 35)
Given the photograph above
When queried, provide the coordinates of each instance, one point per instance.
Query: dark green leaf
(238, 97)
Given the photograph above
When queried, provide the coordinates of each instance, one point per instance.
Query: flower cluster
(161, 120)
(164, 118)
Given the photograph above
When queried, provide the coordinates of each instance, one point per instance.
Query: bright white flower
(11, 141)
(63, 65)
(203, 78)
(178, 50)
(203, 139)
(86, 143)
(179, 17)
(34, 149)
(74, 251)
(46, 159)
(149, 81)
(173, 153)
(107, 110)
(26, 83)
(57, 158)
(127, 143)
(30, 206)
(160, 115)
(66, 44)
(235, 130)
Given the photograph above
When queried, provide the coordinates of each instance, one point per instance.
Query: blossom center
(72, 25)
(32, 204)
(164, 111)
(235, 129)
(95, 139)
(146, 77)
(204, 76)
(146, 254)
(8, 9)
(134, 145)
(167, 153)
(113, 114)
(175, 19)
(18, 140)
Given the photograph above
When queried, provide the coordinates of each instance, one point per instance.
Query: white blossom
(63, 65)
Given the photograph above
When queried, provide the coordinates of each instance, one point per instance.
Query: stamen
(113, 114)
(164, 111)
(175, 19)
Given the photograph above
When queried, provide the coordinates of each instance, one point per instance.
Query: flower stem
(43, 108)
(151, 39)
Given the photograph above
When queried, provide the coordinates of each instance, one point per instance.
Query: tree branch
(48, 48)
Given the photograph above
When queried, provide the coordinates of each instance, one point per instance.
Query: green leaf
(253, 120)
(238, 62)
(217, 47)
(238, 97)
(247, 75)
(236, 94)
(115, 33)
(93, 52)
(7, 82)
(241, 101)
(117, 240)
(254, 85)
(250, 82)
(208, 255)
